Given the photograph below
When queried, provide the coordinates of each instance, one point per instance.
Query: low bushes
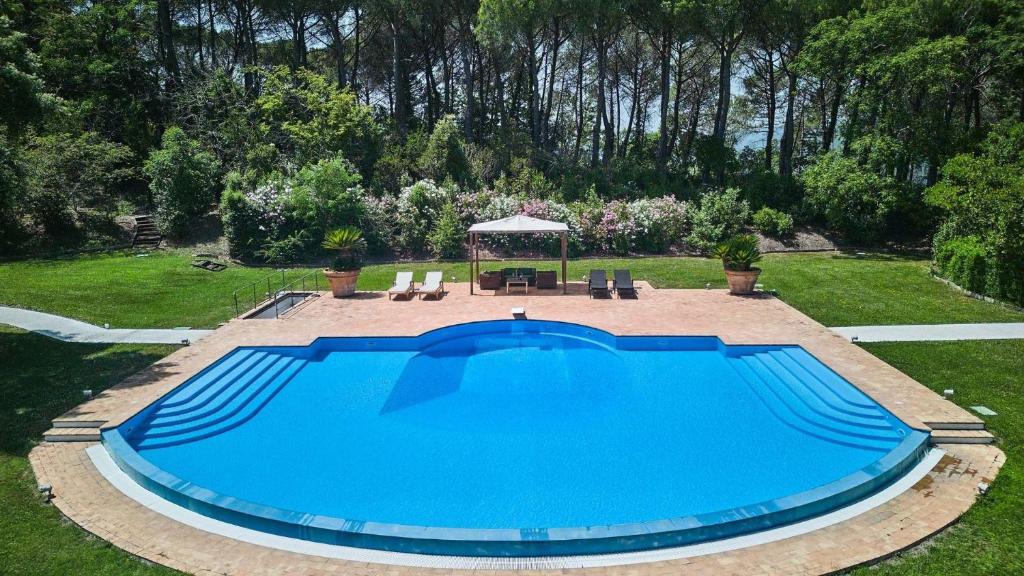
(964, 261)
(980, 245)
(849, 197)
(774, 223)
(183, 178)
(721, 214)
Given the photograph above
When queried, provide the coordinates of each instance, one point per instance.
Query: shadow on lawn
(42, 378)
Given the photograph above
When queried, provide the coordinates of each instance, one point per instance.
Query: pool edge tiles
(498, 542)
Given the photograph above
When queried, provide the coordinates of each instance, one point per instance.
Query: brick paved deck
(87, 499)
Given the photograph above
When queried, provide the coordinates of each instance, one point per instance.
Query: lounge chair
(598, 283)
(433, 285)
(623, 284)
(403, 285)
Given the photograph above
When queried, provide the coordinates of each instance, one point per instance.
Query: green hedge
(964, 261)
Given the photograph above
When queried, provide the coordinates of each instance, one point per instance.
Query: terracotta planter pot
(742, 282)
(343, 282)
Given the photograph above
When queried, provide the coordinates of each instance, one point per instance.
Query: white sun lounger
(432, 285)
(403, 285)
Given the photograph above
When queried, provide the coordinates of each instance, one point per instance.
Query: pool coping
(603, 539)
(112, 473)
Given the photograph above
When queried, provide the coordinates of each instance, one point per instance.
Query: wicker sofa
(529, 273)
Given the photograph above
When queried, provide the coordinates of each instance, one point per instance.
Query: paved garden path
(70, 330)
(934, 332)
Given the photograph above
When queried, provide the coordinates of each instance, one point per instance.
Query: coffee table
(518, 282)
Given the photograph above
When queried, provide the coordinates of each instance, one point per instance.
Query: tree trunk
(213, 36)
(675, 102)
(829, 134)
(199, 34)
(595, 151)
(580, 115)
(467, 79)
(534, 97)
(556, 45)
(786, 145)
(399, 80)
(769, 141)
(724, 90)
(691, 132)
(169, 55)
(661, 161)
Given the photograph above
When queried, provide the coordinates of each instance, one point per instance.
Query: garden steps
(962, 437)
(147, 235)
(72, 435)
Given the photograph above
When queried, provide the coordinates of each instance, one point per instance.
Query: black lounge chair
(623, 284)
(598, 283)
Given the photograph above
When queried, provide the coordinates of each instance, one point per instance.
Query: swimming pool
(515, 438)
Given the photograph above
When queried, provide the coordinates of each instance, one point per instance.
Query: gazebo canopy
(518, 224)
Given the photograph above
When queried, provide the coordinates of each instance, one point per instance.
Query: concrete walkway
(70, 330)
(934, 332)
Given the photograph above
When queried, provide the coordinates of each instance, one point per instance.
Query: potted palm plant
(349, 243)
(739, 254)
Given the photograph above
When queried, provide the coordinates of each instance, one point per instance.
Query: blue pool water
(515, 438)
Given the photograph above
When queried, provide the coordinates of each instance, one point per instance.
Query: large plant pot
(343, 282)
(742, 282)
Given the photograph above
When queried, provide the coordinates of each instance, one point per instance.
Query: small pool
(515, 438)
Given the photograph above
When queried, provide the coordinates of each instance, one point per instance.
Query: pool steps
(218, 400)
(794, 386)
(810, 398)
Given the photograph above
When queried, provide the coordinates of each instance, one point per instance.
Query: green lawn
(163, 290)
(988, 538)
(41, 378)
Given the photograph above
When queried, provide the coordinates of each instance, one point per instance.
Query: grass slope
(987, 539)
(41, 378)
(162, 290)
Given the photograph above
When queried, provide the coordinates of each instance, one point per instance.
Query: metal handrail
(258, 283)
(289, 288)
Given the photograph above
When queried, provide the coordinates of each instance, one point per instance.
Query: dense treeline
(849, 111)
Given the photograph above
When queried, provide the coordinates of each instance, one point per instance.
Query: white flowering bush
(419, 206)
(657, 223)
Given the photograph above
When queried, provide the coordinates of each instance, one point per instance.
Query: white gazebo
(518, 224)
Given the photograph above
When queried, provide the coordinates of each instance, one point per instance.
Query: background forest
(649, 126)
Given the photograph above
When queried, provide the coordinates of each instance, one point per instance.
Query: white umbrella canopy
(518, 224)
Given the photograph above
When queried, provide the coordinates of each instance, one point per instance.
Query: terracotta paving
(939, 499)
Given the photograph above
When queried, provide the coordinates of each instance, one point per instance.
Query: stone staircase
(147, 235)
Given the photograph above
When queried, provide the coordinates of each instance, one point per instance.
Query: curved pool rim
(500, 542)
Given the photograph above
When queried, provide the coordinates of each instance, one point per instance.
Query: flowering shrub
(412, 223)
(284, 218)
(657, 223)
(418, 207)
(379, 225)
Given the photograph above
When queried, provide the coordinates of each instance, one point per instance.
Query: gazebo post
(472, 244)
(565, 250)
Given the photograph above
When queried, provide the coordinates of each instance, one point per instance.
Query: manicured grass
(988, 538)
(834, 289)
(160, 290)
(40, 379)
(164, 290)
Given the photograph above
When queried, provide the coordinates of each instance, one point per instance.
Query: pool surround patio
(85, 497)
